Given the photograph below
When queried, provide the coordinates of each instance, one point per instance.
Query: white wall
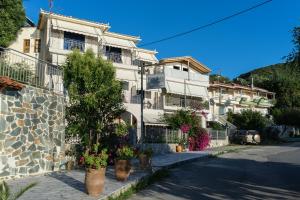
(26, 33)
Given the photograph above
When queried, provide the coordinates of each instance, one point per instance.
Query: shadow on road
(226, 178)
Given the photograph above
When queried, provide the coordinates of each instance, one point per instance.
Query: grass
(157, 176)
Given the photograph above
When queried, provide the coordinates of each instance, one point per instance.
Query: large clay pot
(145, 161)
(122, 169)
(94, 181)
(178, 148)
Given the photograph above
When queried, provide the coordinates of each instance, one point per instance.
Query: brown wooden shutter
(26, 46)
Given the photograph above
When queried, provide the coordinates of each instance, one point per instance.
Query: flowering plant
(185, 128)
(95, 160)
(200, 141)
(125, 153)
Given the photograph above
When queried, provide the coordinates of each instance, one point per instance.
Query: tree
(12, 18)
(249, 120)
(289, 117)
(95, 96)
(218, 78)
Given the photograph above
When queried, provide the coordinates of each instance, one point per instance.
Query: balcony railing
(30, 70)
(114, 57)
(70, 44)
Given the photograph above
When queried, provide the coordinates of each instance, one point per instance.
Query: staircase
(222, 119)
(29, 70)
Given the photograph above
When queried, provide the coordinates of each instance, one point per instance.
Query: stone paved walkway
(70, 185)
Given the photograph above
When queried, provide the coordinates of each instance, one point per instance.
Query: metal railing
(30, 70)
(114, 57)
(70, 44)
(217, 134)
(158, 134)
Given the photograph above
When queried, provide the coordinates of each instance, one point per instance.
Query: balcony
(70, 44)
(179, 82)
(176, 101)
(114, 57)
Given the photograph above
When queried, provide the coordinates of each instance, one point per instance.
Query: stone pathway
(70, 185)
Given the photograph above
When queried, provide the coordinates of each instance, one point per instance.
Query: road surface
(262, 172)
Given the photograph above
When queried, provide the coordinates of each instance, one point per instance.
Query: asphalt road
(269, 172)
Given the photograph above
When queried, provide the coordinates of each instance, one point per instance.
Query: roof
(135, 39)
(28, 23)
(43, 13)
(187, 59)
(238, 86)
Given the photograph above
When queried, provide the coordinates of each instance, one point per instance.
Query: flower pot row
(95, 176)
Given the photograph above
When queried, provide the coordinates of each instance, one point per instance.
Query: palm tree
(5, 191)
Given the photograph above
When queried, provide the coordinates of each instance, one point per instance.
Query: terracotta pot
(178, 148)
(70, 165)
(145, 161)
(94, 181)
(122, 169)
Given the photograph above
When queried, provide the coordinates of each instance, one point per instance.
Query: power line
(207, 25)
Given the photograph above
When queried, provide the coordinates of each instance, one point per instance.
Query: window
(176, 67)
(113, 54)
(37, 45)
(26, 46)
(185, 69)
(125, 85)
(73, 41)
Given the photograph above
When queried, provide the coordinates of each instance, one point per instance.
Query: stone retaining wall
(31, 132)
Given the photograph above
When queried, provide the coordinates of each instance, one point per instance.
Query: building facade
(235, 98)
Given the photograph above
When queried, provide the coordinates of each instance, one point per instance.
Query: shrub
(125, 153)
(200, 141)
(249, 120)
(289, 117)
(95, 159)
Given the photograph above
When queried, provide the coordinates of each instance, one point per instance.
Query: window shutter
(26, 46)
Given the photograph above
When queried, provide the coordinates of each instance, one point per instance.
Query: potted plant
(145, 158)
(70, 158)
(181, 144)
(95, 163)
(122, 162)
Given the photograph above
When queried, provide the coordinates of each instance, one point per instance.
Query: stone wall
(31, 132)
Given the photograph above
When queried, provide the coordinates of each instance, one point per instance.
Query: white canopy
(153, 118)
(117, 42)
(75, 28)
(187, 89)
(144, 56)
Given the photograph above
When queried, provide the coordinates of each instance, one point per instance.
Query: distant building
(234, 97)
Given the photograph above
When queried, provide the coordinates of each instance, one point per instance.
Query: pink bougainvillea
(200, 141)
(185, 128)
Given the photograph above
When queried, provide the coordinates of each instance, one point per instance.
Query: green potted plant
(122, 163)
(145, 158)
(95, 163)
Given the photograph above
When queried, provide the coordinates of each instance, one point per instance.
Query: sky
(255, 39)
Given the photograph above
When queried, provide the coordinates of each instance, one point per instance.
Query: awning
(75, 28)
(186, 89)
(117, 42)
(144, 56)
(154, 118)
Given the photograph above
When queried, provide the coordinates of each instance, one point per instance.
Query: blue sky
(258, 38)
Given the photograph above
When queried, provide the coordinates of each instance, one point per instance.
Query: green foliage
(96, 160)
(5, 193)
(125, 153)
(219, 78)
(95, 96)
(121, 129)
(249, 120)
(216, 126)
(289, 117)
(12, 18)
(183, 117)
(283, 79)
(148, 152)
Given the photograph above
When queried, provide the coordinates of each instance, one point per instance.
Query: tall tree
(12, 18)
(95, 95)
